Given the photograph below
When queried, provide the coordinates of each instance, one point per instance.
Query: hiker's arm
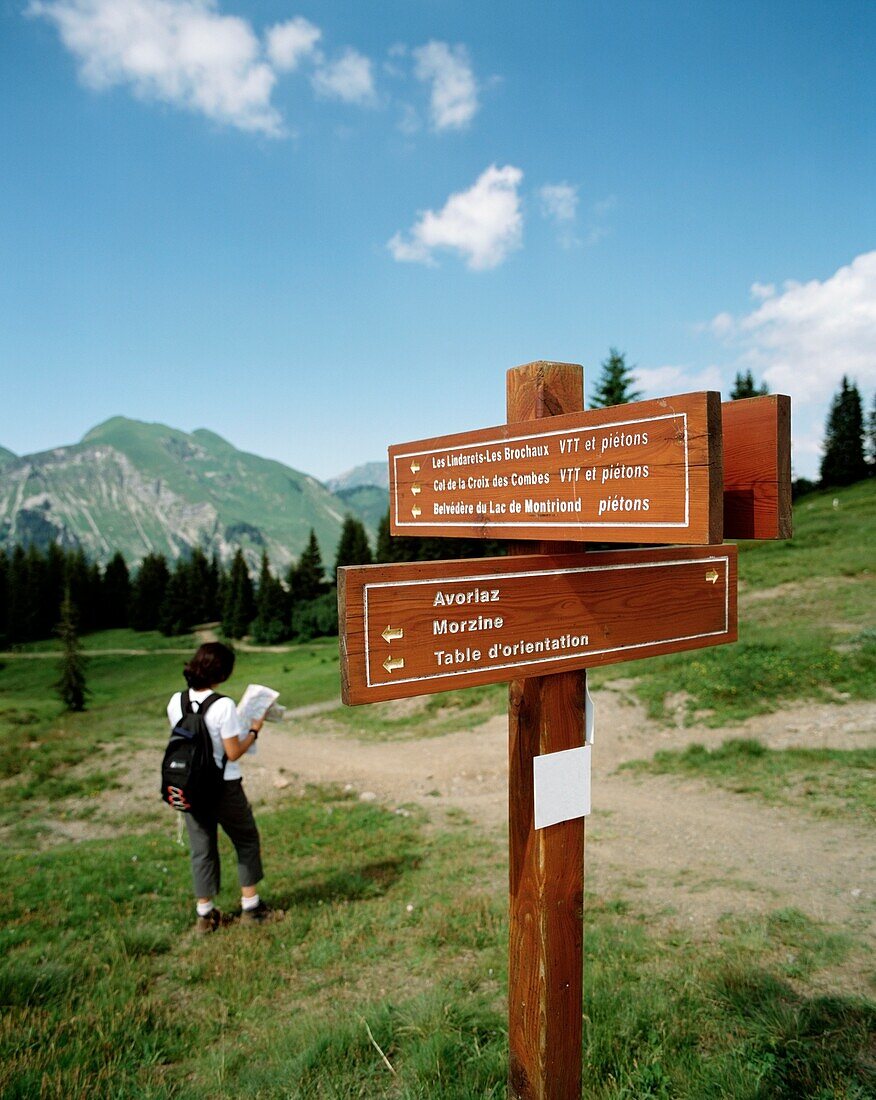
(235, 747)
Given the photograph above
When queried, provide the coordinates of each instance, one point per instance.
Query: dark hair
(212, 664)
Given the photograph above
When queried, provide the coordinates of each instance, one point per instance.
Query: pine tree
(614, 386)
(307, 577)
(239, 609)
(16, 610)
(353, 548)
(843, 462)
(71, 686)
(175, 614)
(384, 541)
(745, 386)
(148, 592)
(4, 599)
(116, 594)
(269, 625)
(871, 438)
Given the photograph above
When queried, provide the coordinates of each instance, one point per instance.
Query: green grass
(816, 641)
(400, 930)
(767, 669)
(827, 541)
(47, 755)
(826, 782)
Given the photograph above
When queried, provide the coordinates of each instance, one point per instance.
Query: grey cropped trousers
(234, 813)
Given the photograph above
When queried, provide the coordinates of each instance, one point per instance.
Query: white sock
(205, 908)
(249, 903)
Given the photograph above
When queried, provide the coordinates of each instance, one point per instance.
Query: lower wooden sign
(422, 627)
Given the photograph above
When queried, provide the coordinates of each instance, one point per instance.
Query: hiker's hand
(257, 724)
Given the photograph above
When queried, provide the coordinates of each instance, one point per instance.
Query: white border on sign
(512, 575)
(580, 524)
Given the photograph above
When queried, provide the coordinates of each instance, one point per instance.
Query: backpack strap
(209, 701)
(185, 702)
(202, 710)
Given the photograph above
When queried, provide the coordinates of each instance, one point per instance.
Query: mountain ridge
(141, 487)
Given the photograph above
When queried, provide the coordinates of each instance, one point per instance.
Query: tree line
(302, 603)
(174, 597)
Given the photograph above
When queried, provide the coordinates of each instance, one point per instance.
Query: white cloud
(559, 201)
(182, 52)
(454, 96)
(290, 42)
(803, 339)
(721, 325)
(349, 78)
(668, 380)
(559, 204)
(483, 224)
(762, 290)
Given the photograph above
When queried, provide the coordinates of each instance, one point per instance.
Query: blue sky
(320, 229)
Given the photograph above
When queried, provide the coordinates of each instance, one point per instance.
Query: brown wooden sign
(422, 627)
(645, 472)
(757, 468)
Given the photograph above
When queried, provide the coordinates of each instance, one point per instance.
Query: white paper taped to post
(562, 779)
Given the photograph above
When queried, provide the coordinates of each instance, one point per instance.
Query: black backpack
(190, 777)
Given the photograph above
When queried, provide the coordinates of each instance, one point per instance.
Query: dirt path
(687, 847)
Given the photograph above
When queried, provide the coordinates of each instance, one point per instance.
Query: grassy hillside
(387, 977)
(807, 622)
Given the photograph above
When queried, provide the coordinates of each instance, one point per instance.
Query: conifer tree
(871, 438)
(269, 625)
(17, 606)
(353, 548)
(116, 594)
(4, 599)
(147, 596)
(307, 577)
(70, 686)
(615, 384)
(239, 609)
(745, 386)
(199, 582)
(384, 550)
(843, 462)
(175, 614)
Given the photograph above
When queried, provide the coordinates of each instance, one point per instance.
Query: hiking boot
(262, 914)
(205, 925)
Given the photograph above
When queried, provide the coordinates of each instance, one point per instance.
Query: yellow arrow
(712, 576)
(416, 490)
(392, 663)
(393, 634)
(416, 511)
(415, 467)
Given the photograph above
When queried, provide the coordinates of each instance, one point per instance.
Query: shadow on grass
(802, 1047)
(370, 881)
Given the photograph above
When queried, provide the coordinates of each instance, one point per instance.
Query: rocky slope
(138, 487)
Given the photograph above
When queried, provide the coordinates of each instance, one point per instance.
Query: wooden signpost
(683, 470)
(647, 472)
(422, 627)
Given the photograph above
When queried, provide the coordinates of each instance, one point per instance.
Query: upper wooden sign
(645, 472)
(757, 467)
(422, 627)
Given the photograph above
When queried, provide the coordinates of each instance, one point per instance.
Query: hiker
(211, 665)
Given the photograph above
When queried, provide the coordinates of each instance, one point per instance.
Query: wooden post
(546, 935)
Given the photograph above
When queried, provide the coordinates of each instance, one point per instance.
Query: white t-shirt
(222, 721)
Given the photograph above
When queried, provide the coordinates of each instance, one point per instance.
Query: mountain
(139, 487)
(6, 457)
(369, 473)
